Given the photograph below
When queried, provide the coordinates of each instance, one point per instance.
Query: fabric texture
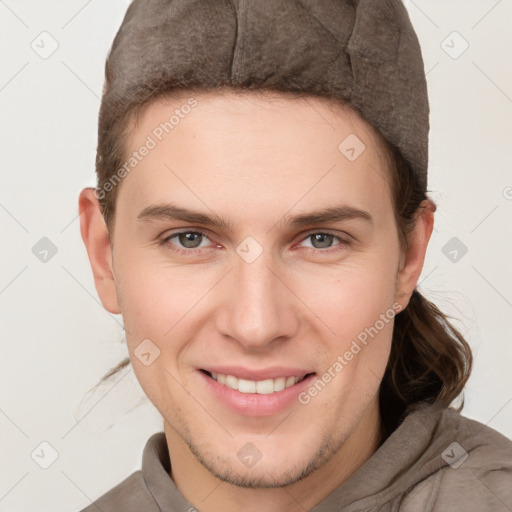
(435, 461)
(363, 52)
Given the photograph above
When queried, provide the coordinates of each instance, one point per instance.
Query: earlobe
(412, 262)
(97, 242)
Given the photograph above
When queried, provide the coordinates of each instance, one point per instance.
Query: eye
(190, 240)
(321, 241)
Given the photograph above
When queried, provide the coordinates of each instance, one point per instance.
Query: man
(261, 223)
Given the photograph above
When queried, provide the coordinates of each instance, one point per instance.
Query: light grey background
(57, 340)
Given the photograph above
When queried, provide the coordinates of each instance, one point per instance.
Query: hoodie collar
(409, 454)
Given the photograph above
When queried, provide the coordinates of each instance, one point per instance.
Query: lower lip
(255, 404)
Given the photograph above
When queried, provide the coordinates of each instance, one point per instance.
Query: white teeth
(290, 381)
(246, 386)
(279, 384)
(231, 382)
(262, 387)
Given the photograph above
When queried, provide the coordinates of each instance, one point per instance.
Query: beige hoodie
(435, 461)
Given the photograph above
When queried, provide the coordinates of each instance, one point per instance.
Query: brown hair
(430, 361)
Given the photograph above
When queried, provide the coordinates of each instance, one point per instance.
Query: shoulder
(479, 445)
(130, 495)
(476, 470)
(482, 477)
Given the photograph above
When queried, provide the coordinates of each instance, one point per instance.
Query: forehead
(262, 148)
(258, 112)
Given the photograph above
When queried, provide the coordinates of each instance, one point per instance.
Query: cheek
(165, 305)
(153, 307)
(356, 302)
(358, 308)
(352, 296)
(152, 295)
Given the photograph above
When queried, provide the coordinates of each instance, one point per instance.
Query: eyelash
(343, 242)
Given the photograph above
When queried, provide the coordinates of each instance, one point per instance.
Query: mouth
(261, 387)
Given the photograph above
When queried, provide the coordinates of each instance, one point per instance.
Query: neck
(209, 494)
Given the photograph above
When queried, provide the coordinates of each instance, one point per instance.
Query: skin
(254, 160)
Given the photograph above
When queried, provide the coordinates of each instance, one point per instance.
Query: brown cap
(363, 52)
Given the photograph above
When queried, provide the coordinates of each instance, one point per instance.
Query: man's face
(261, 296)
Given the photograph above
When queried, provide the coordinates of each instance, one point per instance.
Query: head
(254, 141)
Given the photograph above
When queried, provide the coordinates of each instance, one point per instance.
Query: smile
(262, 387)
(262, 392)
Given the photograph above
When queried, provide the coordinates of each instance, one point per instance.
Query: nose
(260, 308)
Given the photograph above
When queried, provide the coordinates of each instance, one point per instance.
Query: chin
(266, 476)
(276, 471)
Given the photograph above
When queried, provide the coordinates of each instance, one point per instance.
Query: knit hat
(363, 52)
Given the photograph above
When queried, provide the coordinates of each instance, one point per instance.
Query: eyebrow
(174, 212)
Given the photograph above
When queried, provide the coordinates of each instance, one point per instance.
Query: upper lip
(273, 372)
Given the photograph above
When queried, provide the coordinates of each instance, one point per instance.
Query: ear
(97, 242)
(411, 261)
